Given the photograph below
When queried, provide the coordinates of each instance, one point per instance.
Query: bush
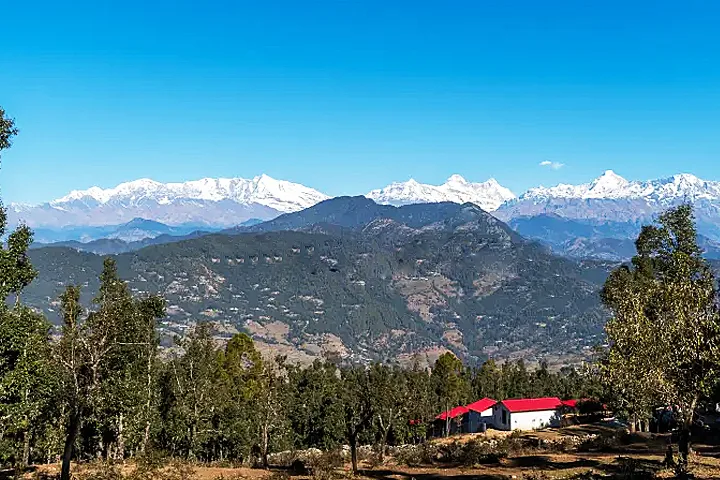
(535, 475)
(473, 452)
(149, 467)
(561, 445)
(325, 466)
(513, 444)
(101, 471)
(604, 443)
(179, 471)
(417, 455)
(476, 452)
(282, 459)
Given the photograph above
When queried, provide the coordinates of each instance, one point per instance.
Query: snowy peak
(488, 195)
(608, 181)
(263, 190)
(456, 179)
(612, 186)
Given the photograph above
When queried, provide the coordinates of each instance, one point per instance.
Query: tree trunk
(266, 441)
(191, 438)
(70, 437)
(26, 449)
(121, 440)
(146, 437)
(353, 453)
(383, 443)
(685, 439)
(148, 404)
(447, 420)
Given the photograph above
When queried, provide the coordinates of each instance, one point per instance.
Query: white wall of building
(524, 420)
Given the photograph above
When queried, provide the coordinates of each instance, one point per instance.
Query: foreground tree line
(99, 386)
(100, 389)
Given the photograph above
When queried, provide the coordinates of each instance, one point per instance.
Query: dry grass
(639, 458)
(523, 467)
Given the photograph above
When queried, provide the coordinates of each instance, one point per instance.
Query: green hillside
(387, 282)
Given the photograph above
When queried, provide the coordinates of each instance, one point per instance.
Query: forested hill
(356, 279)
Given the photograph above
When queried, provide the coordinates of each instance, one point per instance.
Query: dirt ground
(550, 466)
(646, 453)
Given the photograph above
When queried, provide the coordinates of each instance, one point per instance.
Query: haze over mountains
(598, 219)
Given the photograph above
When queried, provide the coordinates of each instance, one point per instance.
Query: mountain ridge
(212, 204)
(488, 195)
(219, 202)
(377, 280)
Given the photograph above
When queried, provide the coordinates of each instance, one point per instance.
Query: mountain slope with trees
(363, 281)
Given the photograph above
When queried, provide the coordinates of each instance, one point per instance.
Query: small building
(479, 413)
(527, 413)
(452, 421)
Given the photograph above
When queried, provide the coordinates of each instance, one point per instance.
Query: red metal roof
(482, 405)
(570, 403)
(532, 404)
(455, 412)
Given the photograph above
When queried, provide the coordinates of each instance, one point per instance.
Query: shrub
(561, 445)
(535, 475)
(325, 466)
(513, 445)
(417, 455)
(101, 471)
(282, 459)
(179, 471)
(149, 467)
(603, 443)
(476, 452)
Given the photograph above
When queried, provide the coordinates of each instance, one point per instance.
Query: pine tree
(450, 384)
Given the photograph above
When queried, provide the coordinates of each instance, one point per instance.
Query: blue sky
(346, 96)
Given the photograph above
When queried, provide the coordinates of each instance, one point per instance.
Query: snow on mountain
(488, 195)
(612, 186)
(279, 195)
(213, 202)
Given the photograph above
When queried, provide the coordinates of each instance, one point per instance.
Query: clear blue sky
(346, 96)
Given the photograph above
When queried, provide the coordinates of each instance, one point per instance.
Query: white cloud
(553, 165)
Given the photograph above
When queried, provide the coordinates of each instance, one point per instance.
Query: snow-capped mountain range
(263, 190)
(217, 202)
(225, 202)
(488, 195)
(612, 186)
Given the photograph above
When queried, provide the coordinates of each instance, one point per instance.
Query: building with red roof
(527, 413)
(452, 413)
(449, 422)
(482, 406)
(479, 413)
